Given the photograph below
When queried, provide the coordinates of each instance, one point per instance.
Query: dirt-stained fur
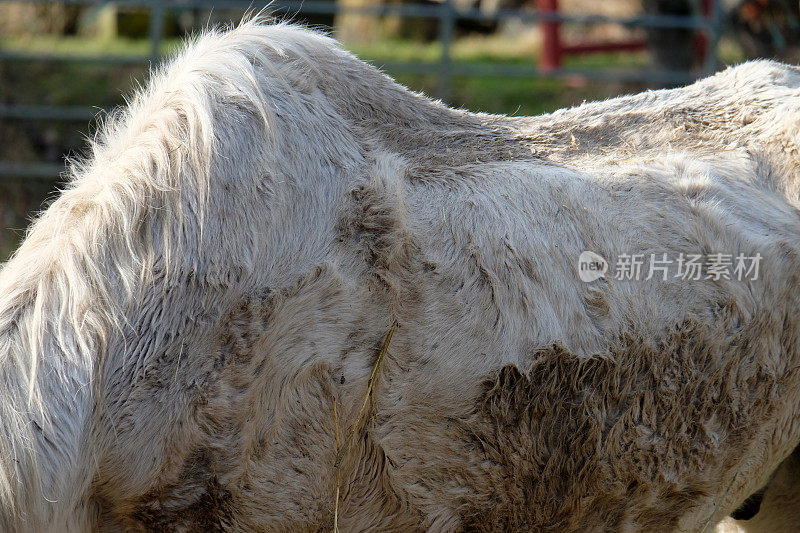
(619, 420)
(188, 327)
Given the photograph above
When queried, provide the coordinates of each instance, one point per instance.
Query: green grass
(83, 46)
(511, 96)
(101, 85)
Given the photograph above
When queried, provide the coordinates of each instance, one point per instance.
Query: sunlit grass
(71, 45)
(87, 84)
(80, 83)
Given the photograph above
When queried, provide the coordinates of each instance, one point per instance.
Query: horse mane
(133, 207)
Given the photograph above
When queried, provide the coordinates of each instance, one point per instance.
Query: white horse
(198, 334)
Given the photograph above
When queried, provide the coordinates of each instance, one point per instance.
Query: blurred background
(64, 63)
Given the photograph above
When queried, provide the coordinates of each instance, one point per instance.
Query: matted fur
(177, 326)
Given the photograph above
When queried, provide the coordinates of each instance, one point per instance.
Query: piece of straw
(343, 450)
(338, 471)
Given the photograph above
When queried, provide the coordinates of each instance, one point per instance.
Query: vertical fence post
(715, 29)
(156, 28)
(551, 33)
(447, 22)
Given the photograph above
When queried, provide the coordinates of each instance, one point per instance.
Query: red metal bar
(588, 48)
(551, 50)
(700, 40)
(554, 51)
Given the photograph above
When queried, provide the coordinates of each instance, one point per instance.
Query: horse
(282, 292)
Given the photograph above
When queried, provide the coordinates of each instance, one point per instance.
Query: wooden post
(352, 27)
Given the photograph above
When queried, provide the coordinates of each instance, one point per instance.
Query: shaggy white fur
(222, 269)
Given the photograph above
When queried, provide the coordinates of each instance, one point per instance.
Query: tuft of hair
(132, 207)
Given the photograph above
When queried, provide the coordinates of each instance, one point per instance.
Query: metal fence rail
(445, 68)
